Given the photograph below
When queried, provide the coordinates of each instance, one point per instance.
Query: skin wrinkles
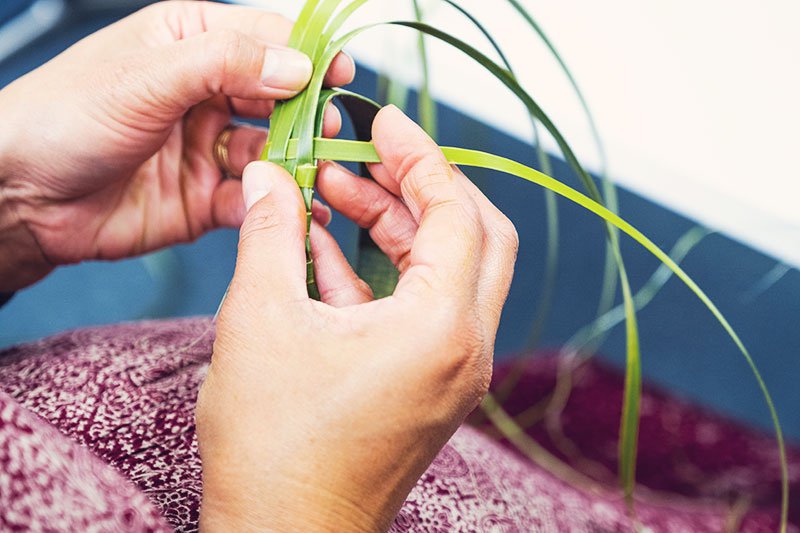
(112, 167)
(318, 415)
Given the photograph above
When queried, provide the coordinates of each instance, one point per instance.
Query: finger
(180, 75)
(271, 264)
(228, 210)
(369, 205)
(447, 249)
(253, 109)
(262, 109)
(275, 29)
(338, 284)
(342, 70)
(246, 143)
(165, 22)
(245, 146)
(321, 213)
(187, 19)
(501, 243)
(331, 121)
(200, 176)
(211, 200)
(270, 28)
(227, 204)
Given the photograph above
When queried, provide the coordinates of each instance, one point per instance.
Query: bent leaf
(305, 160)
(341, 150)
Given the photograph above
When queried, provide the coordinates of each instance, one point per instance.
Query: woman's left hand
(106, 151)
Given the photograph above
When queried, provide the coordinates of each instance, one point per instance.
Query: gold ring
(220, 152)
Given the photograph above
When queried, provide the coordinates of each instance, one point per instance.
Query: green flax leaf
(426, 107)
(300, 149)
(575, 352)
(545, 300)
(305, 158)
(341, 150)
(609, 287)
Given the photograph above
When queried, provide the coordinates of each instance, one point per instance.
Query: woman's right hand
(106, 151)
(323, 415)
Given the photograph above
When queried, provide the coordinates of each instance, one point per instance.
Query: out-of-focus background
(697, 108)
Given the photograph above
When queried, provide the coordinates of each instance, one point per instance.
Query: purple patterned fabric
(126, 395)
(684, 450)
(50, 483)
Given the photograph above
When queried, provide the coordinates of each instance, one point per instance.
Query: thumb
(272, 263)
(189, 71)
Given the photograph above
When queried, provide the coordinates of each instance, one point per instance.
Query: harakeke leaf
(342, 150)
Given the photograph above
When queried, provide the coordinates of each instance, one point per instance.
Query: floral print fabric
(97, 433)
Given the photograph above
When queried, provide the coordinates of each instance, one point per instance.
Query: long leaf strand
(294, 142)
(355, 151)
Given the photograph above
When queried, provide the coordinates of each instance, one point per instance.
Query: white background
(696, 101)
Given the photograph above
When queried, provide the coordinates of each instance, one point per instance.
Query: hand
(105, 151)
(323, 415)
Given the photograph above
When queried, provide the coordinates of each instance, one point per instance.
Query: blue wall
(683, 348)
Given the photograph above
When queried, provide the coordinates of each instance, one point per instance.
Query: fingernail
(256, 183)
(322, 214)
(338, 166)
(352, 64)
(285, 68)
(332, 118)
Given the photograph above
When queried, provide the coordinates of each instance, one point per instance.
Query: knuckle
(421, 164)
(420, 173)
(425, 177)
(375, 210)
(363, 211)
(507, 234)
(264, 224)
(446, 203)
(230, 48)
(229, 42)
(403, 259)
(431, 287)
(358, 285)
(364, 288)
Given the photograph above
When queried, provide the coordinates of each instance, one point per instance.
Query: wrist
(310, 519)
(284, 509)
